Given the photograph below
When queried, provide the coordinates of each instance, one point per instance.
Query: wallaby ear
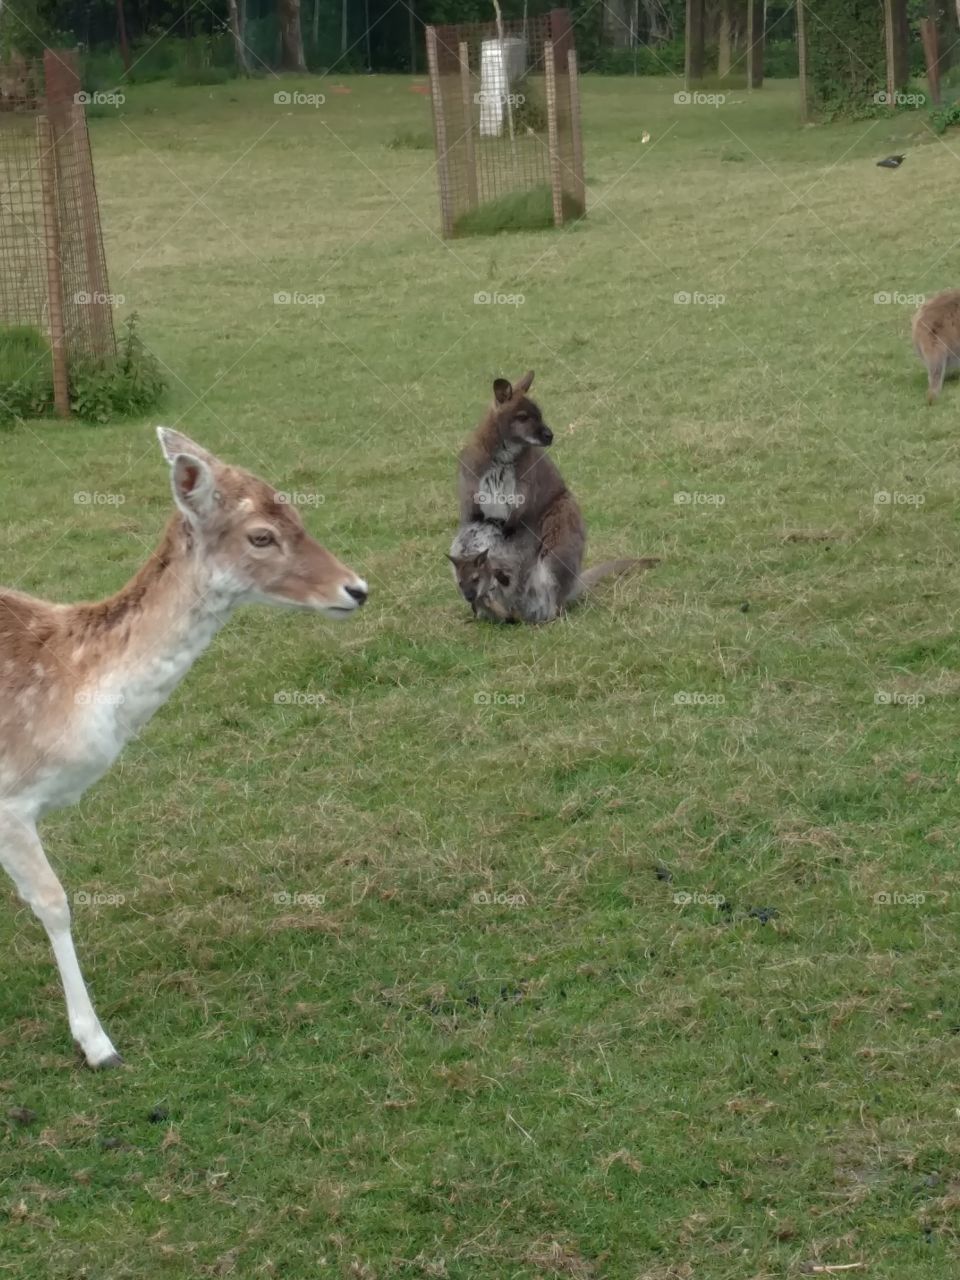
(174, 442)
(194, 487)
(454, 560)
(481, 558)
(502, 391)
(525, 383)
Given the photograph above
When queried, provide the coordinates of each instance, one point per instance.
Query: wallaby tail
(590, 577)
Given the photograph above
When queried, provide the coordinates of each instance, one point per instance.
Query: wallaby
(509, 486)
(505, 477)
(506, 590)
(936, 338)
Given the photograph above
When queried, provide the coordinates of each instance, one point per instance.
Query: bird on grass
(890, 162)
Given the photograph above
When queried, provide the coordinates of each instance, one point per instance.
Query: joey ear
(502, 391)
(481, 558)
(174, 442)
(194, 487)
(525, 383)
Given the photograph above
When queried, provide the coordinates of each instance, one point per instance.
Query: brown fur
(512, 417)
(936, 338)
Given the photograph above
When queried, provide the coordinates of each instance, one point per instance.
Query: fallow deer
(77, 681)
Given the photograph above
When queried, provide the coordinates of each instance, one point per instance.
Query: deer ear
(174, 443)
(525, 383)
(194, 487)
(502, 391)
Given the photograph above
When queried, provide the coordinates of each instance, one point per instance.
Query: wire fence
(506, 113)
(53, 273)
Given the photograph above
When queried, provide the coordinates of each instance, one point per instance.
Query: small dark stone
(663, 873)
(158, 1115)
(21, 1115)
(763, 914)
(114, 1144)
(931, 1180)
(726, 907)
(745, 607)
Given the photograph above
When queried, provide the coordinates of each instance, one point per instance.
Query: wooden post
(469, 153)
(580, 188)
(755, 43)
(931, 54)
(51, 236)
(553, 136)
(693, 43)
(440, 135)
(802, 62)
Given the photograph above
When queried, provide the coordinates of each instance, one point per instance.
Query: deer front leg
(22, 857)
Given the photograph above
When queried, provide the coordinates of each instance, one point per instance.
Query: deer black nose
(546, 435)
(357, 593)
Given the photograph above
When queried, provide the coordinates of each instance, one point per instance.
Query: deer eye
(262, 538)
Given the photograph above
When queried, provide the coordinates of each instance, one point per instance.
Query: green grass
(529, 210)
(588, 1080)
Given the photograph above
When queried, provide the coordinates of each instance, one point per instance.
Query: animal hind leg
(936, 371)
(23, 858)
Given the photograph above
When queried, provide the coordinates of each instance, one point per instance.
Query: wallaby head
(476, 574)
(518, 418)
(252, 544)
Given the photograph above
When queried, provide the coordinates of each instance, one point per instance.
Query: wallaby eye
(503, 579)
(262, 538)
(523, 416)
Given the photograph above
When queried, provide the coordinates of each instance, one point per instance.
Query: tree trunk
(291, 39)
(239, 48)
(122, 32)
(344, 28)
(725, 41)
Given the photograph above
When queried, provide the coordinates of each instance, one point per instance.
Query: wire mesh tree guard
(506, 116)
(53, 273)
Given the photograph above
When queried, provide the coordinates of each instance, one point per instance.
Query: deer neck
(141, 642)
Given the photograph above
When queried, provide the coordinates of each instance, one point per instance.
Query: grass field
(481, 1037)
